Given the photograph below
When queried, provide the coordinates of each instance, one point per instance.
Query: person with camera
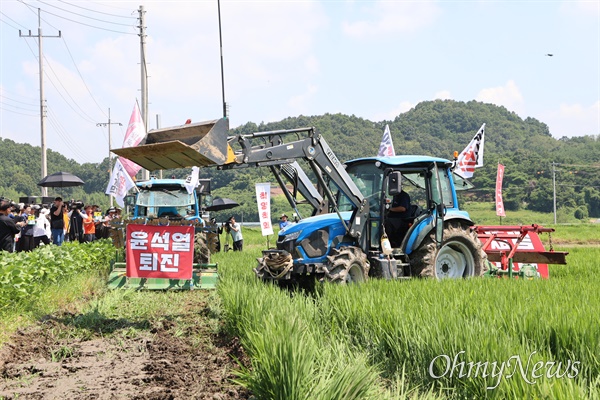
(236, 233)
(57, 222)
(8, 228)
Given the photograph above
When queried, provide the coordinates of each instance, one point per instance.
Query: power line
(84, 16)
(78, 22)
(79, 72)
(99, 12)
(22, 26)
(90, 119)
(20, 113)
(17, 107)
(17, 101)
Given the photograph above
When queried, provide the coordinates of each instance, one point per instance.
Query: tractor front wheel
(460, 255)
(347, 265)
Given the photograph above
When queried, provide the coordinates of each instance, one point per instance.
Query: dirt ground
(169, 360)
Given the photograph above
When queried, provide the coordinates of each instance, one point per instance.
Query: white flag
(191, 182)
(472, 156)
(263, 198)
(136, 132)
(119, 184)
(386, 148)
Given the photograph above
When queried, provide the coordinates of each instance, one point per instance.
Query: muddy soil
(171, 358)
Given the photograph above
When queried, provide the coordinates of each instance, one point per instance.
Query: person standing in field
(236, 234)
(8, 228)
(89, 227)
(41, 230)
(57, 222)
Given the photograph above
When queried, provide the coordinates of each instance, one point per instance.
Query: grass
(372, 341)
(397, 329)
(484, 213)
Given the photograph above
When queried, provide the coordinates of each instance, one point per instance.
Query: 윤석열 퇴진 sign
(155, 251)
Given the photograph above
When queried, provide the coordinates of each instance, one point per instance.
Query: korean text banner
(263, 198)
(155, 251)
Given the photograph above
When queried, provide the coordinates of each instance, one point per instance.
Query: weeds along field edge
(400, 332)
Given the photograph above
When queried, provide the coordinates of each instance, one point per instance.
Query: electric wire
(87, 116)
(99, 12)
(83, 80)
(77, 22)
(14, 27)
(84, 16)
(63, 133)
(17, 101)
(20, 113)
(17, 107)
(12, 20)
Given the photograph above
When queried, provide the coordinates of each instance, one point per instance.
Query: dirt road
(71, 356)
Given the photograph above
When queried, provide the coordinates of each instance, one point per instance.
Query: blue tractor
(350, 235)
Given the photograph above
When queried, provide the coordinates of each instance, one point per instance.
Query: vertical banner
(499, 203)
(119, 183)
(156, 251)
(472, 156)
(386, 148)
(263, 198)
(135, 134)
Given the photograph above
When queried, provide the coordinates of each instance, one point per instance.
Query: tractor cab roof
(407, 160)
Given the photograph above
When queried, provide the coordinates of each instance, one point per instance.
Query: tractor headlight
(291, 236)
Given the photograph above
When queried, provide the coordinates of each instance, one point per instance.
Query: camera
(227, 226)
(75, 205)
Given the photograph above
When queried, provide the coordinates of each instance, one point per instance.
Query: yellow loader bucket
(201, 144)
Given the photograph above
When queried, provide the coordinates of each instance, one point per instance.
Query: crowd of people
(24, 227)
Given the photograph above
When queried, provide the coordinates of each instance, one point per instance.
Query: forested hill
(436, 128)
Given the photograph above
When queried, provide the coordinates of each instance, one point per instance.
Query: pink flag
(499, 203)
(386, 148)
(136, 132)
(472, 156)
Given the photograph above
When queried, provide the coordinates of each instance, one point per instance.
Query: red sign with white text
(499, 203)
(155, 251)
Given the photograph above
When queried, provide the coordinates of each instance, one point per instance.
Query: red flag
(499, 203)
(136, 132)
(472, 156)
(386, 148)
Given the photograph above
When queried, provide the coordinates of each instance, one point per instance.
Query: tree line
(532, 157)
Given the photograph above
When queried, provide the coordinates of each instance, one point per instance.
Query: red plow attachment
(518, 250)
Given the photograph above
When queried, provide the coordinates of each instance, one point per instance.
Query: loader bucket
(204, 276)
(201, 144)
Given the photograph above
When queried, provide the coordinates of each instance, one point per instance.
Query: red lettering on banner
(159, 251)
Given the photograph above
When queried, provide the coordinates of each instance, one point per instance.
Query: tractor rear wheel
(201, 250)
(460, 255)
(347, 265)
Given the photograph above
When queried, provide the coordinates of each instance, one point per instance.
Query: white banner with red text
(263, 198)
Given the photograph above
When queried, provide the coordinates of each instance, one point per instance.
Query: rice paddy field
(462, 339)
(480, 338)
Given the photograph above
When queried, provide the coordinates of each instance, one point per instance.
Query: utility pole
(554, 188)
(109, 147)
(42, 108)
(144, 74)
(221, 49)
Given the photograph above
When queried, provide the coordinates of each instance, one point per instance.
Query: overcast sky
(372, 59)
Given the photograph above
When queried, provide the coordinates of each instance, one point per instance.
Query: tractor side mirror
(394, 183)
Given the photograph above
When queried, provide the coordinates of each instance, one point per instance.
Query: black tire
(201, 250)
(347, 265)
(460, 255)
